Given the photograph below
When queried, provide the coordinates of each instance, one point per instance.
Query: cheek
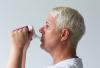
(52, 39)
(51, 43)
(51, 35)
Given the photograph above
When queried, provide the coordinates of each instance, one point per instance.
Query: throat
(63, 54)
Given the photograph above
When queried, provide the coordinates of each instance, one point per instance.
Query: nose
(41, 30)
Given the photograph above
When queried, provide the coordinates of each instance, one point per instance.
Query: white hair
(71, 19)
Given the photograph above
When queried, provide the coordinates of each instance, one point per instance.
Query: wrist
(15, 48)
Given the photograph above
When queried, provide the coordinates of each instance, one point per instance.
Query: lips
(41, 39)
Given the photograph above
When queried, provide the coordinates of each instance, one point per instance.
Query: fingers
(20, 36)
(25, 27)
(26, 31)
(20, 31)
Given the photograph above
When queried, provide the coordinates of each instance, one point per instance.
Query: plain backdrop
(16, 13)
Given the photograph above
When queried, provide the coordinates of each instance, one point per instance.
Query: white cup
(30, 27)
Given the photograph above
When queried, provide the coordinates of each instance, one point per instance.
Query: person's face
(50, 35)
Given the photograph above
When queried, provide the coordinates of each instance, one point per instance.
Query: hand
(21, 37)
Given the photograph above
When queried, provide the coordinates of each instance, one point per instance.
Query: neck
(63, 52)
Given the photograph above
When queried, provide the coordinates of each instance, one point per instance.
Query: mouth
(41, 39)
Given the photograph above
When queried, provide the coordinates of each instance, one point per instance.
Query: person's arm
(15, 58)
(26, 47)
(24, 56)
(23, 59)
(20, 40)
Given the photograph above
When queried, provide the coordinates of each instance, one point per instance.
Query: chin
(42, 45)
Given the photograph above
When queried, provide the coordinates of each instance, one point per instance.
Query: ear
(65, 34)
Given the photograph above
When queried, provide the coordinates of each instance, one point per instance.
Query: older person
(61, 33)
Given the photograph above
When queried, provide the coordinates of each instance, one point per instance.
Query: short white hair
(70, 18)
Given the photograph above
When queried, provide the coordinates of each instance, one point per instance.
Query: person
(61, 33)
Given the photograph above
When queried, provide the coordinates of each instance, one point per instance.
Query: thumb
(31, 32)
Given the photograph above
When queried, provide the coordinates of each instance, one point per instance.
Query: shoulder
(70, 63)
(61, 66)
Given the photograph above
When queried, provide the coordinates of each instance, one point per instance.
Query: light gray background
(15, 13)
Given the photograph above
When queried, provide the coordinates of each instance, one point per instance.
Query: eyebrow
(47, 22)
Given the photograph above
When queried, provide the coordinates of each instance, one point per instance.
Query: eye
(47, 26)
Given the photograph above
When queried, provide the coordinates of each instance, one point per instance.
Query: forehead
(51, 18)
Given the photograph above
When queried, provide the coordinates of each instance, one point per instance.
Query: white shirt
(69, 63)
